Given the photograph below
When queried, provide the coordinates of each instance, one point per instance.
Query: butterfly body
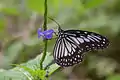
(72, 44)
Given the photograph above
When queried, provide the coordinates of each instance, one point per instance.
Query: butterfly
(72, 44)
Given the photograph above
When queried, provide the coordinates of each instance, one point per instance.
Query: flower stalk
(45, 41)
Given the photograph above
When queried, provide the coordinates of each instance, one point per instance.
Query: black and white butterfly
(72, 44)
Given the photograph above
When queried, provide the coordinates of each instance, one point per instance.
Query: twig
(45, 28)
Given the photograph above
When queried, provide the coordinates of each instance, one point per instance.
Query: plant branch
(45, 28)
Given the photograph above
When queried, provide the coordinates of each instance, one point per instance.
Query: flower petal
(48, 34)
(40, 33)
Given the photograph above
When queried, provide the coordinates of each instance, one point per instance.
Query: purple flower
(48, 34)
(40, 33)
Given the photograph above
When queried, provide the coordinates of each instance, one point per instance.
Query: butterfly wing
(87, 41)
(65, 53)
(71, 44)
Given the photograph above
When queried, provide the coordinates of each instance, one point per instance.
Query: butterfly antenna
(59, 28)
(55, 22)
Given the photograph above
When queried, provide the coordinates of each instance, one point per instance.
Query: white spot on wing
(85, 32)
(103, 42)
(78, 32)
(89, 37)
(66, 60)
(93, 45)
(75, 58)
(72, 52)
(97, 37)
(87, 40)
(74, 46)
(69, 54)
(103, 39)
(80, 40)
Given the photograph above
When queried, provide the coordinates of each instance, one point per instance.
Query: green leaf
(34, 73)
(11, 75)
(34, 65)
(31, 68)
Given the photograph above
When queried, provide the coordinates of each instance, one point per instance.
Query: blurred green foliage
(19, 20)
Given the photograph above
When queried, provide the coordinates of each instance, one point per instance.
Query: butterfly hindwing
(71, 44)
(66, 54)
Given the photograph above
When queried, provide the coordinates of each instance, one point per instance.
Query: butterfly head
(60, 30)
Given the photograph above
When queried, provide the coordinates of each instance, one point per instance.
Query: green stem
(45, 28)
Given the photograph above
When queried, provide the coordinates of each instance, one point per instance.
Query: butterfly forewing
(87, 40)
(71, 44)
